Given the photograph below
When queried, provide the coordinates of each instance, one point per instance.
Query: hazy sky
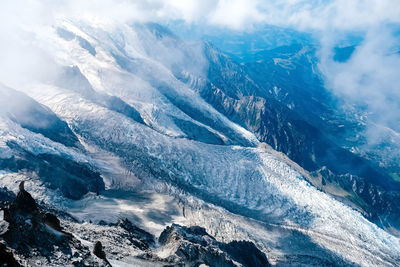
(239, 14)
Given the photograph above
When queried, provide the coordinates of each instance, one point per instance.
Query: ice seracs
(235, 190)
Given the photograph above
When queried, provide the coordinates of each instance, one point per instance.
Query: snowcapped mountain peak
(130, 122)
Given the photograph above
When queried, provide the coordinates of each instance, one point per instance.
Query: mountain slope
(288, 108)
(218, 173)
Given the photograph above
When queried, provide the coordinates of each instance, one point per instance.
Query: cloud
(370, 78)
(236, 14)
(332, 15)
(239, 14)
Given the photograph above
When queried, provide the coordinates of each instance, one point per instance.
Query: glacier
(228, 182)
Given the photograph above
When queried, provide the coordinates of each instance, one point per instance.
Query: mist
(370, 79)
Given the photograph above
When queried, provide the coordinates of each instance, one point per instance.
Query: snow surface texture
(236, 191)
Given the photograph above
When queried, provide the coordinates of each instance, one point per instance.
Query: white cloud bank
(239, 14)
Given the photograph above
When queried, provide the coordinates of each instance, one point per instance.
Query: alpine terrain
(150, 144)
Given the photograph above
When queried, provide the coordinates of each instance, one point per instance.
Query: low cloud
(369, 79)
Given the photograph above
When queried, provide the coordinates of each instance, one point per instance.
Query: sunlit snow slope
(117, 90)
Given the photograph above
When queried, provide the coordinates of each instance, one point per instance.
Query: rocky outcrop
(52, 221)
(7, 258)
(34, 234)
(6, 196)
(99, 252)
(29, 227)
(73, 179)
(146, 239)
(246, 253)
(193, 246)
(24, 202)
(376, 203)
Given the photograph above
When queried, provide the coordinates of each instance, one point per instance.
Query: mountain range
(174, 151)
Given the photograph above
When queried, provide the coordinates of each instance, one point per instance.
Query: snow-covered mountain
(122, 129)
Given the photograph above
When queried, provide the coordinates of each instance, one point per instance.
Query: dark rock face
(73, 179)
(52, 221)
(146, 238)
(137, 236)
(33, 233)
(118, 105)
(199, 133)
(6, 195)
(185, 105)
(27, 227)
(194, 246)
(35, 117)
(24, 202)
(7, 258)
(246, 253)
(36, 235)
(98, 250)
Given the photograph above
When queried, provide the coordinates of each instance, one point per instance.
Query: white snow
(235, 192)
